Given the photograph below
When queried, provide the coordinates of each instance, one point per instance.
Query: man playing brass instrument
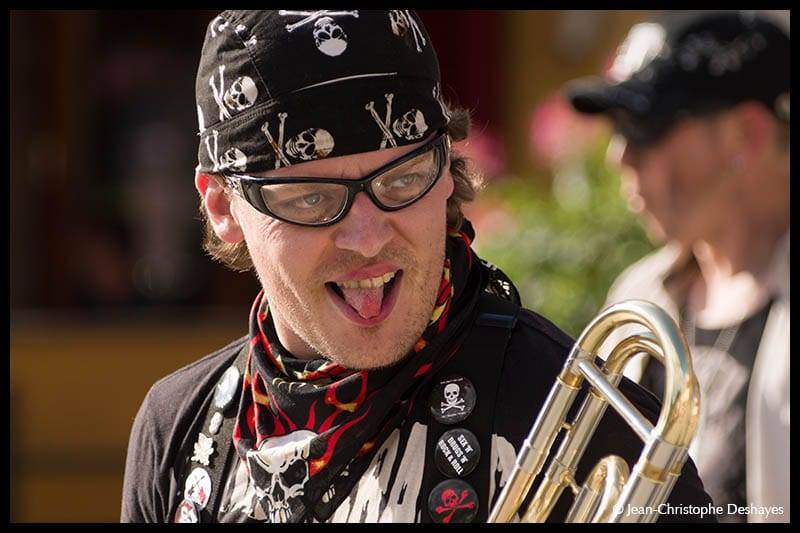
(389, 374)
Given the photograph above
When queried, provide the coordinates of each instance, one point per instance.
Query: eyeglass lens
(317, 203)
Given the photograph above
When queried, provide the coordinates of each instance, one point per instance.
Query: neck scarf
(306, 428)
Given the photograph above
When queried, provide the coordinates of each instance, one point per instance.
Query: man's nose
(365, 230)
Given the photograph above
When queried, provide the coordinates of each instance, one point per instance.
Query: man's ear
(217, 204)
(756, 129)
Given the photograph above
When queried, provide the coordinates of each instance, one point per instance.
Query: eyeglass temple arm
(234, 183)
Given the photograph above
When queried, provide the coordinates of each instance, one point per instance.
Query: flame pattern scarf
(313, 423)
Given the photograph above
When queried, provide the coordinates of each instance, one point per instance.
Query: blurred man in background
(700, 107)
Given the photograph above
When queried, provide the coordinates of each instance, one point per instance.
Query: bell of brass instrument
(610, 492)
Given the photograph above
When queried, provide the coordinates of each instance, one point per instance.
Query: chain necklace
(721, 346)
(724, 338)
(720, 349)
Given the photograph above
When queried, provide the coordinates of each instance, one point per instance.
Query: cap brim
(626, 103)
(597, 95)
(592, 95)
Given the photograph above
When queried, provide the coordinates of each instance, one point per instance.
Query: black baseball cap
(692, 64)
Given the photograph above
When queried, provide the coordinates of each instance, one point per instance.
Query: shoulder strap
(480, 360)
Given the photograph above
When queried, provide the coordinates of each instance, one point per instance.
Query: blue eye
(400, 182)
(304, 202)
(309, 200)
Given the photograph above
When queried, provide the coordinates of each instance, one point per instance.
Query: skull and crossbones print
(401, 21)
(233, 158)
(329, 37)
(452, 398)
(241, 94)
(313, 143)
(452, 503)
(310, 144)
(410, 126)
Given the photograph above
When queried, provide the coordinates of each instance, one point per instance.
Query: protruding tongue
(366, 301)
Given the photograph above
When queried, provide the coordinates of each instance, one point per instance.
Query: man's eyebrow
(280, 176)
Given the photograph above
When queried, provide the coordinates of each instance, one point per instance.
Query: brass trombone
(611, 493)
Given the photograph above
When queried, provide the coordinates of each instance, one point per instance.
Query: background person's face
(680, 186)
(295, 264)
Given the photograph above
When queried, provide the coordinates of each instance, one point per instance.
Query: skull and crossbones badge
(452, 400)
(453, 500)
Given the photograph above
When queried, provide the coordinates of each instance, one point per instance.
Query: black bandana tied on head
(319, 422)
(278, 88)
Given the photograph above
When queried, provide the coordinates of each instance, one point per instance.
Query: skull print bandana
(277, 88)
(307, 428)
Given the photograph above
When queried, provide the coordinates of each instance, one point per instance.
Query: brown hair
(466, 180)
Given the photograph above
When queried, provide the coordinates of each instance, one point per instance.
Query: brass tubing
(596, 499)
(616, 476)
(565, 462)
(624, 407)
(534, 451)
(666, 443)
(566, 459)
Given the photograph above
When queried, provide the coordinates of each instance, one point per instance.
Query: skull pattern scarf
(306, 428)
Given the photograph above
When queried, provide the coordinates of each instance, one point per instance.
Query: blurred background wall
(110, 289)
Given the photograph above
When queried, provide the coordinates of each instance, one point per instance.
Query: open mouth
(366, 302)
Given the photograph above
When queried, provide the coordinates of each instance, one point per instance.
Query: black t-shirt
(396, 486)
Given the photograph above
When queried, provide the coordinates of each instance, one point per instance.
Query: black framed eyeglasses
(319, 201)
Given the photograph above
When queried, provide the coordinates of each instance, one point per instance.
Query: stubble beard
(297, 305)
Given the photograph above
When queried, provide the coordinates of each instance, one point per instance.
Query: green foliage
(565, 247)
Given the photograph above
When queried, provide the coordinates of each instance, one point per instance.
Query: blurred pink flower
(558, 133)
(489, 217)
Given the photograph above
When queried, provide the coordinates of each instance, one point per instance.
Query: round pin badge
(226, 388)
(187, 513)
(452, 400)
(198, 487)
(457, 453)
(453, 501)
